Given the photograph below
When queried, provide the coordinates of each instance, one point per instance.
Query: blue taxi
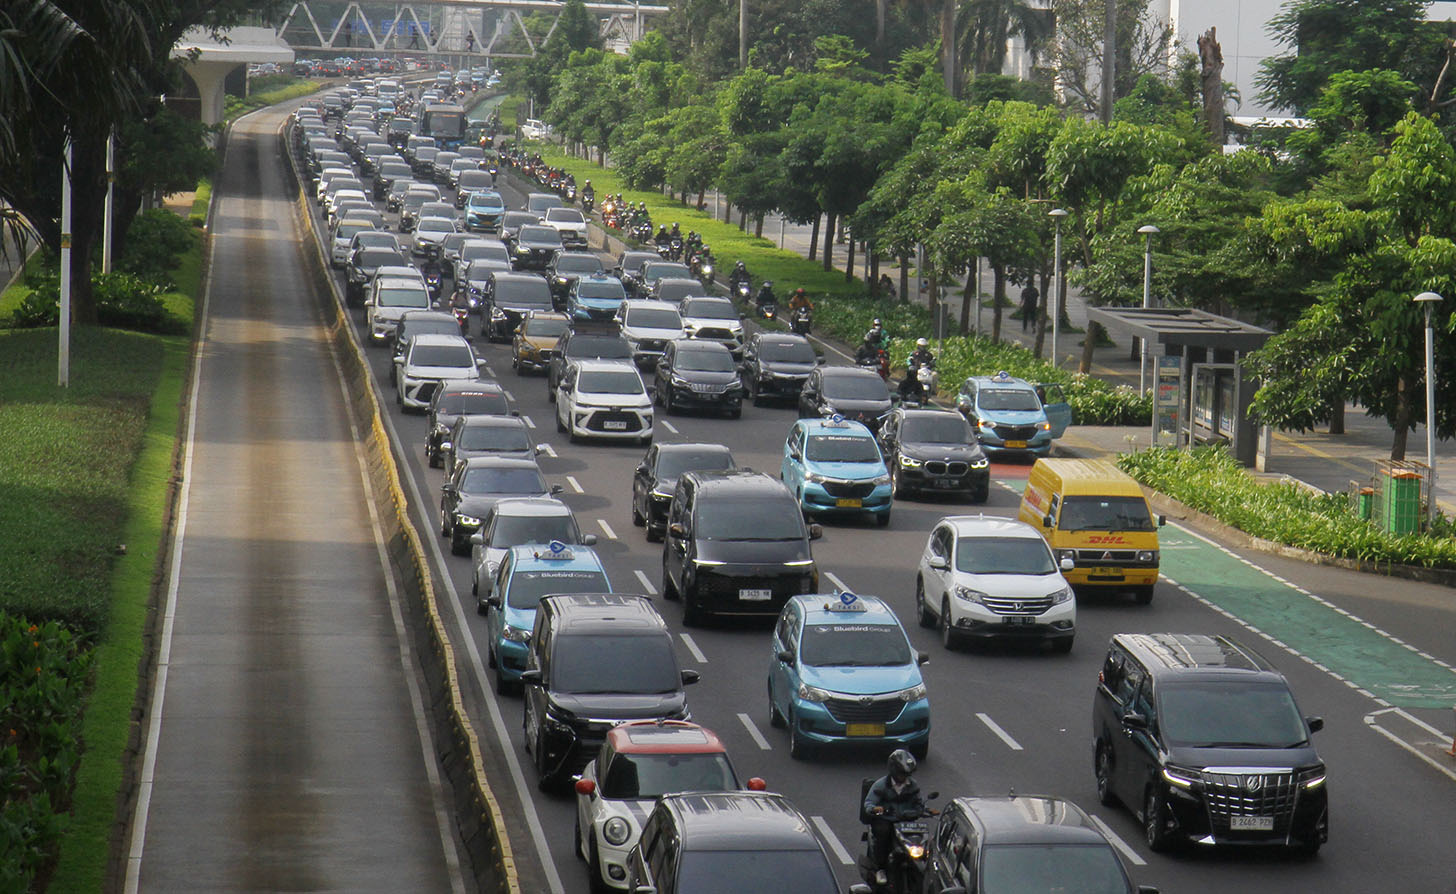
(843, 671)
(526, 574)
(595, 298)
(1013, 416)
(834, 466)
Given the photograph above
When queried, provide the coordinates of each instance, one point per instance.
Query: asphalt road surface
(1371, 655)
(286, 751)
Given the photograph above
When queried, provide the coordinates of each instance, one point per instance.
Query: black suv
(453, 400)
(566, 267)
(851, 392)
(736, 544)
(776, 365)
(360, 269)
(532, 247)
(1202, 739)
(596, 659)
(656, 478)
(698, 374)
(509, 297)
(629, 267)
(592, 341)
(982, 844)
(936, 451)
(728, 842)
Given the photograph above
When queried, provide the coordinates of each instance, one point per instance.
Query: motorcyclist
(868, 352)
(587, 192)
(765, 296)
(920, 357)
(663, 238)
(676, 231)
(894, 796)
(877, 335)
(800, 299)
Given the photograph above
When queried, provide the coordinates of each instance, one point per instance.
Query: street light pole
(1056, 214)
(1148, 233)
(1428, 301)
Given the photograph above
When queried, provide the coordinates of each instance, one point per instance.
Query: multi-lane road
(1370, 655)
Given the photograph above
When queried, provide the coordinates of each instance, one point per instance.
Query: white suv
(570, 223)
(429, 361)
(393, 292)
(713, 319)
(648, 326)
(603, 399)
(993, 578)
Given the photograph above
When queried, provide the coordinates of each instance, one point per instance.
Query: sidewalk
(1319, 459)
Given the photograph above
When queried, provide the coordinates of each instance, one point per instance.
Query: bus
(445, 122)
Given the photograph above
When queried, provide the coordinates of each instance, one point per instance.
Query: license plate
(1015, 443)
(1251, 824)
(1017, 620)
(616, 425)
(1106, 572)
(864, 729)
(944, 483)
(755, 595)
(848, 503)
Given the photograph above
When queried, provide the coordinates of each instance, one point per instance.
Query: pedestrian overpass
(501, 29)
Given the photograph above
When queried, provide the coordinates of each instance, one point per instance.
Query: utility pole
(1109, 60)
(742, 35)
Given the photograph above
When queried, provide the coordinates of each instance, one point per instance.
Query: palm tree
(987, 25)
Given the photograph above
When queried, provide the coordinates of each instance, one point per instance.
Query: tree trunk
(932, 300)
(873, 277)
(998, 293)
(742, 220)
(849, 262)
(880, 33)
(702, 203)
(829, 243)
(1337, 418)
(1211, 76)
(966, 308)
(1109, 62)
(814, 239)
(1094, 332)
(1402, 421)
(727, 211)
(1041, 316)
(904, 278)
(758, 226)
(948, 44)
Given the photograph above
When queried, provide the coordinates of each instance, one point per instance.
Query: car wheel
(550, 389)
(948, 637)
(692, 612)
(638, 519)
(922, 611)
(432, 459)
(897, 482)
(545, 780)
(475, 584)
(982, 493)
(921, 750)
(736, 413)
(490, 659)
(667, 404)
(669, 589)
(444, 522)
(799, 747)
(883, 519)
(516, 365)
(502, 685)
(560, 426)
(653, 535)
(594, 871)
(458, 546)
(1155, 822)
(1144, 595)
(1063, 646)
(775, 718)
(750, 385)
(1102, 767)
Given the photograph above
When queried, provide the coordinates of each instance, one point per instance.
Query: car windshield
(380, 258)
(654, 318)
(545, 328)
(610, 291)
(705, 361)
(609, 381)
(733, 872)
(942, 428)
(346, 231)
(1220, 715)
(1007, 399)
(592, 663)
(870, 387)
(539, 234)
(578, 264)
(1003, 555)
(429, 327)
(503, 481)
(1051, 869)
(518, 530)
(471, 179)
(436, 225)
(602, 347)
(786, 352)
(643, 776)
(747, 519)
(442, 355)
(843, 449)
(710, 309)
(486, 200)
(665, 271)
(854, 645)
(403, 297)
(672, 463)
(565, 215)
(494, 437)
(1105, 514)
(462, 402)
(527, 587)
(533, 293)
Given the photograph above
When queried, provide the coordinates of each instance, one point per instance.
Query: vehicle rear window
(654, 318)
(1003, 555)
(1229, 715)
(609, 381)
(494, 437)
(705, 361)
(429, 327)
(641, 776)
(1007, 399)
(748, 519)
(403, 297)
(442, 355)
(519, 530)
(733, 872)
(854, 645)
(503, 481)
(786, 352)
(607, 289)
(672, 463)
(461, 402)
(870, 387)
(1047, 868)
(939, 429)
(532, 293)
(592, 663)
(527, 587)
(579, 263)
(1105, 514)
(843, 449)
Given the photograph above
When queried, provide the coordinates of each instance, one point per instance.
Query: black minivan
(1202, 739)
(736, 545)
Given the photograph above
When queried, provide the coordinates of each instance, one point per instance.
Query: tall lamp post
(1148, 232)
(1055, 214)
(1428, 301)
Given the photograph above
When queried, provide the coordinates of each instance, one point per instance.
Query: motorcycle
(801, 321)
(769, 310)
(880, 363)
(675, 248)
(587, 201)
(909, 843)
(462, 316)
(664, 250)
(432, 282)
(571, 192)
(742, 290)
(920, 383)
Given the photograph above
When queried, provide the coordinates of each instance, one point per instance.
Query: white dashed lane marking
(646, 584)
(753, 733)
(692, 645)
(611, 535)
(575, 485)
(832, 840)
(1001, 734)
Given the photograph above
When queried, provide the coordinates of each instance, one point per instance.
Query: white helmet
(922, 343)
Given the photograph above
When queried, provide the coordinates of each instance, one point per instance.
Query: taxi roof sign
(1002, 376)
(555, 550)
(848, 602)
(836, 419)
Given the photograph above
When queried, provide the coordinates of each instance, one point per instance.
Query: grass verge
(274, 89)
(201, 199)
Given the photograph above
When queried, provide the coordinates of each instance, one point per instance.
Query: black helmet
(902, 764)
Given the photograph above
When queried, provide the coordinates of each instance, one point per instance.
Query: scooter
(919, 384)
(880, 363)
(801, 321)
(769, 309)
(905, 869)
(741, 290)
(462, 316)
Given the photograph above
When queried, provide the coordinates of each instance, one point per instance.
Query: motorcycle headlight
(910, 462)
(707, 269)
(915, 851)
(881, 479)
(515, 634)
(966, 594)
(913, 694)
(813, 693)
(616, 830)
(467, 520)
(1062, 595)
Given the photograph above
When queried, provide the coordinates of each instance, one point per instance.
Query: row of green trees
(1324, 233)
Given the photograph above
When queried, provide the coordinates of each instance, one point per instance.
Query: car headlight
(1147, 555)
(980, 463)
(1062, 595)
(815, 477)
(966, 594)
(914, 693)
(881, 479)
(1182, 776)
(813, 693)
(679, 381)
(497, 315)
(1044, 426)
(522, 250)
(515, 634)
(709, 562)
(910, 462)
(986, 424)
(467, 520)
(616, 830)
(1313, 777)
(1066, 554)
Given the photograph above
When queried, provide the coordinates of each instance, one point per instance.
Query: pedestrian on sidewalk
(1029, 297)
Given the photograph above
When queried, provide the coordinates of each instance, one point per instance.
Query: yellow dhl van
(1093, 513)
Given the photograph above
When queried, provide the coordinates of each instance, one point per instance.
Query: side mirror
(932, 796)
(677, 530)
(816, 531)
(922, 658)
(531, 677)
(786, 656)
(1162, 520)
(1142, 889)
(795, 454)
(939, 563)
(493, 600)
(556, 489)
(1046, 520)
(447, 488)
(1315, 724)
(477, 539)
(1067, 563)
(588, 540)
(820, 360)
(689, 677)
(1134, 721)
(539, 449)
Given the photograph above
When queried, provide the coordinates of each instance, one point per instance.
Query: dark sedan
(657, 474)
(698, 374)
(533, 247)
(508, 298)
(934, 451)
(453, 400)
(361, 267)
(776, 365)
(476, 485)
(858, 394)
(566, 267)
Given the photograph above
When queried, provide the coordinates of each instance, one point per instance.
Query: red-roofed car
(637, 763)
